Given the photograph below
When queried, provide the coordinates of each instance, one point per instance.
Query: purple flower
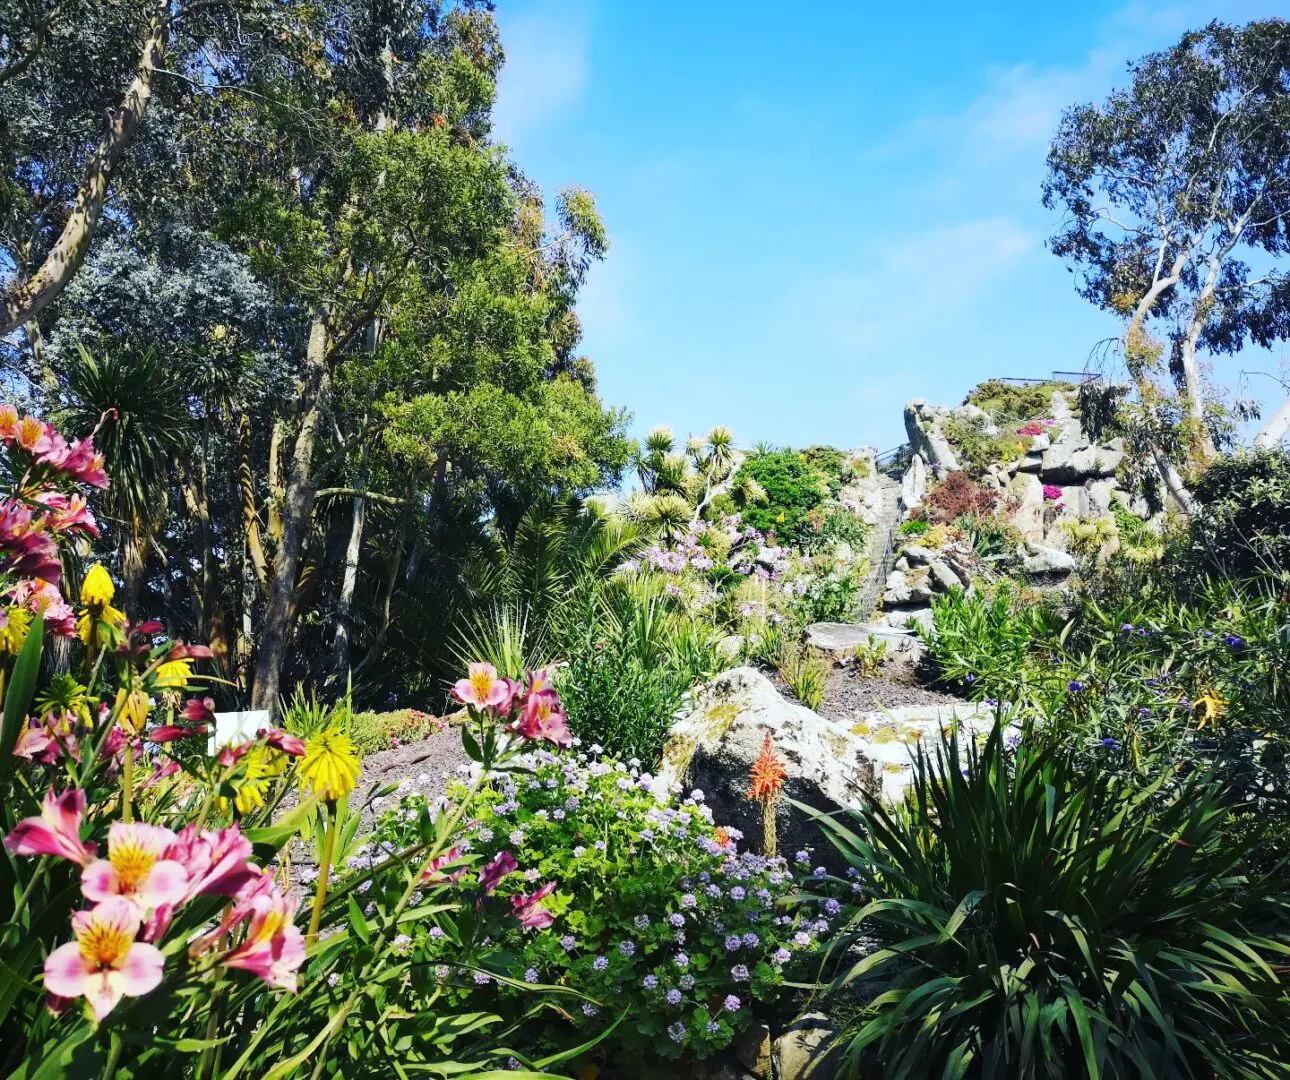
(676, 1032)
(627, 948)
(751, 940)
(1110, 744)
(681, 960)
(689, 901)
(568, 942)
(739, 973)
(676, 919)
(531, 976)
(589, 1009)
(600, 963)
(650, 982)
(969, 678)
(1234, 642)
(738, 893)
(801, 939)
(1076, 687)
(802, 856)
(687, 982)
(731, 1004)
(781, 956)
(482, 977)
(641, 922)
(436, 932)
(831, 907)
(1127, 628)
(673, 996)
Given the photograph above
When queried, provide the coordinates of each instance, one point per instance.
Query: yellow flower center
(103, 945)
(132, 864)
(273, 922)
(481, 682)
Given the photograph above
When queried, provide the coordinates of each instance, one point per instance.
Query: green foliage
(1015, 403)
(1243, 523)
(806, 671)
(831, 525)
(634, 930)
(373, 731)
(977, 450)
(1033, 916)
(914, 527)
(986, 640)
(793, 489)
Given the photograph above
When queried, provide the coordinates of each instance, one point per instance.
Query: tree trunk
(1275, 429)
(250, 519)
(212, 625)
(345, 606)
(25, 300)
(296, 511)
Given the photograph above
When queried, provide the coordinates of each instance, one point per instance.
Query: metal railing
(1055, 376)
(882, 565)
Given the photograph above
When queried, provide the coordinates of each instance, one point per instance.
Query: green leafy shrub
(793, 489)
(373, 731)
(1243, 524)
(654, 917)
(914, 527)
(805, 670)
(1013, 403)
(621, 702)
(1041, 921)
(990, 534)
(829, 526)
(831, 463)
(977, 450)
(986, 640)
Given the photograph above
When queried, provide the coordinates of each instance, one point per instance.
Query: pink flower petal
(142, 969)
(103, 990)
(166, 883)
(99, 880)
(65, 971)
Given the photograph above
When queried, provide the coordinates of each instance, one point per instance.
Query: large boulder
(923, 426)
(1046, 562)
(844, 638)
(1073, 463)
(892, 737)
(714, 741)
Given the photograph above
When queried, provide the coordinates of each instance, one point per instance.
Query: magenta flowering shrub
(1052, 493)
(630, 896)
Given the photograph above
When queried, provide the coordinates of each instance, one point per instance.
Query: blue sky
(820, 211)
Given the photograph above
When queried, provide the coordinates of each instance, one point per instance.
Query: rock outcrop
(713, 743)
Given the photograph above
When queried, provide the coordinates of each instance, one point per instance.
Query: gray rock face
(730, 646)
(909, 618)
(913, 485)
(1041, 561)
(922, 425)
(806, 1051)
(894, 736)
(833, 637)
(714, 741)
(1064, 463)
(896, 590)
(917, 554)
(941, 577)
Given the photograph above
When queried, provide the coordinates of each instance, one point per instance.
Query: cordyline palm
(144, 426)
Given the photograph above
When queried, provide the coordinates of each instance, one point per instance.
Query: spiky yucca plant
(1039, 922)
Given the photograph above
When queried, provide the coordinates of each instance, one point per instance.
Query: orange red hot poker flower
(768, 773)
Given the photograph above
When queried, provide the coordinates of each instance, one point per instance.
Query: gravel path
(848, 694)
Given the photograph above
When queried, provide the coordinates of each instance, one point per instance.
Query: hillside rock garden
(374, 703)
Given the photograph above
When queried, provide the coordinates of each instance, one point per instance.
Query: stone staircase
(881, 551)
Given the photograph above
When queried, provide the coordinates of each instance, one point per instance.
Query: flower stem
(324, 871)
(127, 783)
(769, 837)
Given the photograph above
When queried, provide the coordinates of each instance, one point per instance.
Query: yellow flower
(13, 632)
(174, 674)
(101, 625)
(257, 772)
(132, 710)
(1211, 708)
(97, 589)
(330, 766)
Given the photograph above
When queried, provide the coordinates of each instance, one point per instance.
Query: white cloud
(546, 66)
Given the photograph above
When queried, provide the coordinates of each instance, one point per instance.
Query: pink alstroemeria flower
(200, 710)
(434, 875)
(137, 868)
(492, 873)
(217, 862)
(56, 832)
(528, 909)
(542, 718)
(289, 744)
(274, 947)
(164, 733)
(104, 963)
(481, 687)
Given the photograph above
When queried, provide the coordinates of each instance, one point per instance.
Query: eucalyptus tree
(1176, 200)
